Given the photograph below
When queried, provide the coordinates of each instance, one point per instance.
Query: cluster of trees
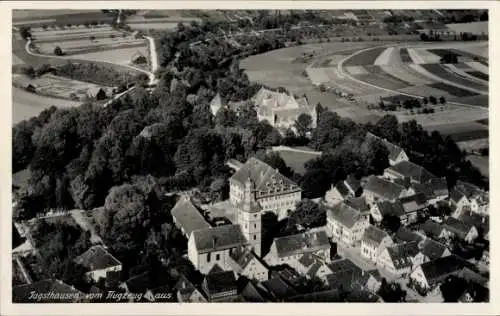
(25, 32)
(396, 19)
(449, 58)
(454, 287)
(413, 103)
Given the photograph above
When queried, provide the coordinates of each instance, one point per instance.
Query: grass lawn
(122, 56)
(296, 160)
(481, 163)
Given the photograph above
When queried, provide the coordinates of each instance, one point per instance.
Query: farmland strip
(367, 57)
(415, 56)
(406, 74)
(439, 71)
(478, 66)
(405, 56)
(384, 58)
(479, 75)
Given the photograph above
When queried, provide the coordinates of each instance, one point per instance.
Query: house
(378, 189)
(187, 217)
(408, 170)
(459, 202)
(277, 289)
(289, 249)
(220, 286)
(210, 246)
(318, 270)
(273, 191)
(349, 187)
(244, 262)
(411, 206)
(396, 153)
(280, 109)
(288, 274)
(346, 224)
(345, 274)
(98, 261)
(468, 195)
(430, 274)
(48, 291)
(400, 259)
(374, 241)
(252, 295)
(482, 223)
(434, 230)
(141, 286)
(463, 231)
(386, 208)
(406, 235)
(435, 190)
(187, 292)
(433, 250)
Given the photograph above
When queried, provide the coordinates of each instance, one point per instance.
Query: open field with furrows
(405, 56)
(452, 90)
(121, 56)
(61, 17)
(406, 74)
(384, 79)
(26, 105)
(85, 45)
(462, 131)
(479, 75)
(61, 33)
(464, 73)
(480, 51)
(367, 57)
(59, 87)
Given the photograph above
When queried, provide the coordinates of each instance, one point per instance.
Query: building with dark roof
(289, 249)
(430, 274)
(433, 250)
(252, 295)
(408, 170)
(396, 153)
(378, 189)
(244, 262)
(350, 187)
(466, 195)
(406, 235)
(386, 208)
(400, 259)
(346, 224)
(220, 286)
(374, 241)
(48, 291)
(277, 289)
(462, 230)
(434, 230)
(98, 261)
(273, 191)
(187, 217)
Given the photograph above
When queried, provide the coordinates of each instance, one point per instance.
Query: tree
(92, 38)
(112, 36)
(387, 128)
(309, 214)
(442, 100)
(433, 100)
(25, 32)
(391, 222)
(274, 160)
(453, 288)
(303, 124)
(391, 292)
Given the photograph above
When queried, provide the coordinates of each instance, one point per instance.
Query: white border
(238, 308)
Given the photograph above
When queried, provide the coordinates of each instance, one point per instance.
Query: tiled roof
(394, 150)
(476, 220)
(218, 238)
(220, 282)
(431, 228)
(439, 186)
(307, 260)
(404, 234)
(301, 243)
(358, 203)
(342, 265)
(425, 189)
(251, 294)
(437, 270)
(374, 235)
(266, 179)
(457, 227)
(22, 293)
(187, 216)
(403, 254)
(383, 188)
(468, 189)
(456, 195)
(432, 249)
(391, 208)
(215, 269)
(344, 214)
(97, 258)
(411, 170)
(241, 257)
(278, 288)
(352, 182)
(342, 189)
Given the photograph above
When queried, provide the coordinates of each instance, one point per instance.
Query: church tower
(249, 218)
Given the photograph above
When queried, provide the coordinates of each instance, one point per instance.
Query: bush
(58, 51)
(433, 100)
(442, 100)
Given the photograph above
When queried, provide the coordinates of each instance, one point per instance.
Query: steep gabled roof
(220, 282)
(266, 179)
(404, 234)
(391, 208)
(187, 216)
(383, 188)
(403, 254)
(301, 243)
(241, 258)
(456, 195)
(278, 288)
(437, 270)
(218, 238)
(394, 150)
(358, 203)
(413, 203)
(433, 249)
(457, 227)
(431, 228)
(97, 258)
(344, 214)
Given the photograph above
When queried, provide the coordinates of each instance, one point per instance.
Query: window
(254, 237)
(254, 225)
(217, 257)
(208, 257)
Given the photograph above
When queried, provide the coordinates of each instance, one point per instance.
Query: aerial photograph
(241, 156)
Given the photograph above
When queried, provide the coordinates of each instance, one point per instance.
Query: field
(479, 75)
(367, 57)
(477, 28)
(405, 56)
(452, 90)
(159, 22)
(26, 105)
(61, 17)
(296, 160)
(17, 61)
(481, 163)
(448, 76)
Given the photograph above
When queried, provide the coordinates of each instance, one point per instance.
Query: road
(347, 75)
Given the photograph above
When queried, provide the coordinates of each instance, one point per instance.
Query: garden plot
(380, 78)
(385, 57)
(366, 57)
(65, 88)
(120, 56)
(86, 45)
(449, 76)
(55, 34)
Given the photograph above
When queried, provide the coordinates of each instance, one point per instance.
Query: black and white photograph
(250, 155)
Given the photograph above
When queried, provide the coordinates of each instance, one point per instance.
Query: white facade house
(400, 259)
(98, 261)
(346, 224)
(396, 153)
(430, 274)
(378, 189)
(374, 242)
(244, 262)
(273, 191)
